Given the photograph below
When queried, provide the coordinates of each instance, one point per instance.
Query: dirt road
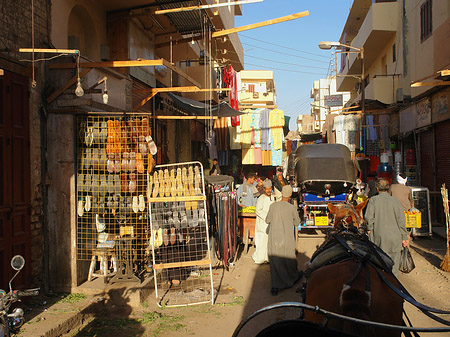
(245, 288)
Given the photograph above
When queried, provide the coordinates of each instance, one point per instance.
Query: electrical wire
(289, 70)
(292, 64)
(278, 45)
(44, 59)
(279, 52)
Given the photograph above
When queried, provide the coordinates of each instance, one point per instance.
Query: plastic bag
(406, 261)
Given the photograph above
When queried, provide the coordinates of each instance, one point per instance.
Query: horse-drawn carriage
(323, 173)
(349, 291)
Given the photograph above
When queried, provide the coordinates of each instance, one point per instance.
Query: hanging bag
(406, 261)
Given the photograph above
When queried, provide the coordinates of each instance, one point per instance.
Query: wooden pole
(260, 24)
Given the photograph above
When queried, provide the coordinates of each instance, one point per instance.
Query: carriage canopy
(320, 164)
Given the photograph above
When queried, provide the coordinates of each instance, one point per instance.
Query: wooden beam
(429, 84)
(53, 51)
(193, 8)
(145, 100)
(122, 64)
(181, 264)
(108, 64)
(260, 24)
(2, 72)
(67, 85)
(445, 72)
(179, 41)
(181, 89)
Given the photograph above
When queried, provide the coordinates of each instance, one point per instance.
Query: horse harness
(349, 247)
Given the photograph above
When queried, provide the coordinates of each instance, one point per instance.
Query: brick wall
(16, 32)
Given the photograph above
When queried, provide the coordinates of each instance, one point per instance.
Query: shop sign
(333, 100)
(423, 112)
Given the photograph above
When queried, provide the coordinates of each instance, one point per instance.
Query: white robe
(261, 237)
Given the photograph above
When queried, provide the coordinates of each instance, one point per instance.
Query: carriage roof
(324, 163)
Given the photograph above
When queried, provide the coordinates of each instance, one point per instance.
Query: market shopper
(281, 219)
(386, 223)
(215, 170)
(244, 192)
(278, 184)
(261, 238)
(402, 192)
(258, 190)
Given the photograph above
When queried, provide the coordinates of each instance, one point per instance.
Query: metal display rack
(179, 235)
(113, 158)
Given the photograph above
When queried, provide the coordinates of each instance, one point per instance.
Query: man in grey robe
(281, 219)
(386, 223)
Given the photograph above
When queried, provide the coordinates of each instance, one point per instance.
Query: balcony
(382, 88)
(379, 26)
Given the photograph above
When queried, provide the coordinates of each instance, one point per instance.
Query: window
(394, 53)
(426, 25)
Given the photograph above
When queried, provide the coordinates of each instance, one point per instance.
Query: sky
(290, 48)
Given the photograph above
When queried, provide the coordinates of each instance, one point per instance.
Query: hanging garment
(371, 130)
(264, 126)
(256, 131)
(248, 155)
(246, 129)
(267, 158)
(221, 128)
(276, 154)
(235, 137)
(258, 156)
(212, 147)
(276, 124)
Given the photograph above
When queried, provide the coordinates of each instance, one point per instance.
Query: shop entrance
(14, 176)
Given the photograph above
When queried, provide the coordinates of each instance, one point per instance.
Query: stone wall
(16, 32)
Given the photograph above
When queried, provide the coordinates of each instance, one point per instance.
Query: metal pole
(363, 97)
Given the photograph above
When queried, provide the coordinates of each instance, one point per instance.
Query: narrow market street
(243, 289)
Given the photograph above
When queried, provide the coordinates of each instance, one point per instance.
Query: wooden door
(14, 177)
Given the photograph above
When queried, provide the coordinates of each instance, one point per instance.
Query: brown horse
(348, 284)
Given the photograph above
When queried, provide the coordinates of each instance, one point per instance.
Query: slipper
(132, 162)
(80, 183)
(124, 182)
(173, 237)
(88, 159)
(197, 180)
(102, 160)
(194, 222)
(94, 205)
(101, 205)
(110, 163)
(135, 205)
(151, 145)
(145, 127)
(87, 205)
(103, 186)
(142, 145)
(95, 185)
(141, 203)
(132, 183)
(179, 183)
(183, 221)
(89, 136)
(156, 183)
(95, 159)
(117, 184)
(165, 237)
(99, 223)
(117, 163)
(96, 133)
(125, 162)
(87, 183)
(180, 236)
(110, 184)
(159, 237)
(80, 208)
(167, 185)
(150, 163)
(139, 163)
(103, 132)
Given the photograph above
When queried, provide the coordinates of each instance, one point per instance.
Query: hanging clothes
(235, 137)
(264, 125)
(221, 128)
(212, 147)
(246, 130)
(276, 124)
(276, 154)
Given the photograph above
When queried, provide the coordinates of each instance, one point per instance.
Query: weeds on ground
(162, 322)
(73, 298)
(237, 300)
(204, 309)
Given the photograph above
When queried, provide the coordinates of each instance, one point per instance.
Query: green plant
(237, 300)
(73, 298)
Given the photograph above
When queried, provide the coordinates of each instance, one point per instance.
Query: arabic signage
(333, 100)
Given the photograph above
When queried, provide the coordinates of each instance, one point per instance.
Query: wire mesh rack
(179, 235)
(114, 154)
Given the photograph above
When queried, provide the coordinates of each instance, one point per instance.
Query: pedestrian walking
(402, 192)
(261, 237)
(386, 223)
(282, 218)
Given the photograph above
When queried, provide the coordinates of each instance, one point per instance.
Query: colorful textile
(276, 123)
(264, 126)
(246, 130)
(248, 155)
(266, 158)
(235, 137)
(254, 125)
(276, 153)
(221, 128)
(258, 156)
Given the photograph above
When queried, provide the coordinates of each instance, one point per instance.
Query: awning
(194, 107)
